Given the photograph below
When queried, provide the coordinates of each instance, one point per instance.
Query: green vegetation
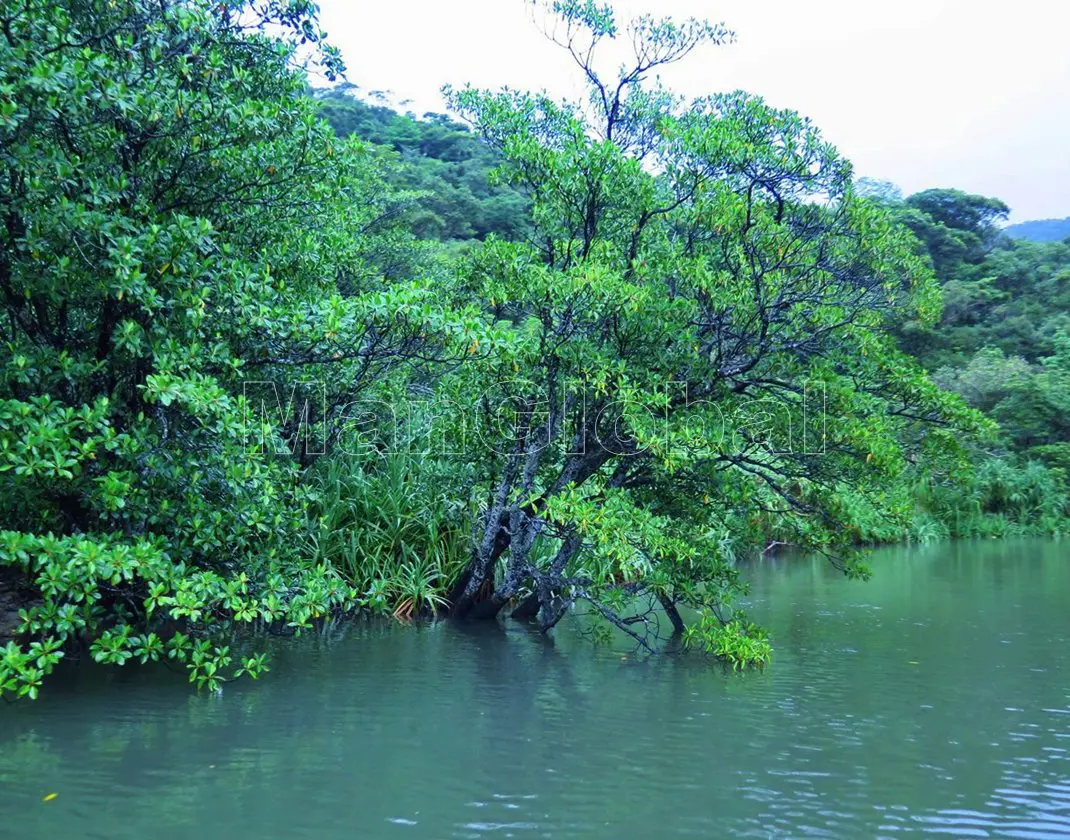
(1003, 344)
(1040, 230)
(393, 528)
(177, 221)
(262, 369)
(443, 166)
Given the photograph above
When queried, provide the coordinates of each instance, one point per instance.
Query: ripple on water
(890, 708)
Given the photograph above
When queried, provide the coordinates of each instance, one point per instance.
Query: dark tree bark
(673, 613)
(527, 609)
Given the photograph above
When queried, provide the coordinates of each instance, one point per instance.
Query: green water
(933, 699)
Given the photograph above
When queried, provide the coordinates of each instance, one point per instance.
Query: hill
(440, 162)
(1040, 230)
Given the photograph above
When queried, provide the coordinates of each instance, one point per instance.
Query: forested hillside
(1003, 343)
(1040, 230)
(264, 370)
(445, 167)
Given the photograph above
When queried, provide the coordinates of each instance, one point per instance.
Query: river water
(934, 699)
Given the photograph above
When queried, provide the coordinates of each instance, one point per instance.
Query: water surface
(934, 699)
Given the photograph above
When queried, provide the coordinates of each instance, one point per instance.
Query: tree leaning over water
(696, 267)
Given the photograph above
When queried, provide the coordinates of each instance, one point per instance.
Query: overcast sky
(973, 94)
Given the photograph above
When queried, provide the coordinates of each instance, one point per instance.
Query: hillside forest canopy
(275, 356)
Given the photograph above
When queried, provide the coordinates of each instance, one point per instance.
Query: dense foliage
(262, 369)
(698, 269)
(1003, 343)
(445, 168)
(177, 221)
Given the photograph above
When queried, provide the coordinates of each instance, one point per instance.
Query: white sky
(973, 94)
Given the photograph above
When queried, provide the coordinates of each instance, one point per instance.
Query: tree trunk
(669, 606)
(516, 540)
(466, 592)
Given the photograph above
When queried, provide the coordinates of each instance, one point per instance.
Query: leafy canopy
(696, 267)
(177, 222)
